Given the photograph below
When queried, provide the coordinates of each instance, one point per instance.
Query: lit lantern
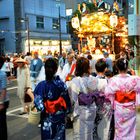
(75, 22)
(113, 20)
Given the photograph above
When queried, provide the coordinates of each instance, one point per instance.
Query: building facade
(33, 26)
(7, 28)
(134, 29)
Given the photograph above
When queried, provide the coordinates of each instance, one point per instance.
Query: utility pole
(26, 20)
(60, 39)
(28, 33)
(60, 33)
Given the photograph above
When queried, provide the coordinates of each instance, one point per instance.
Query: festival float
(103, 31)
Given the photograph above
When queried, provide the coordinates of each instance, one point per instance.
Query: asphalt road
(20, 129)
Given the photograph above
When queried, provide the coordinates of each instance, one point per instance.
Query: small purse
(27, 98)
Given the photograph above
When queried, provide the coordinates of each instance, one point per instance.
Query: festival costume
(68, 71)
(82, 91)
(103, 113)
(52, 99)
(124, 92)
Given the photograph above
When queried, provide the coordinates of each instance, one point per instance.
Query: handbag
(34, 115)
(27, 97)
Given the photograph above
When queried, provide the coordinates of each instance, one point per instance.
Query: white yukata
(104, 113)
(84, 115)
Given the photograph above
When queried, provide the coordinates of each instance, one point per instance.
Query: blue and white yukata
(52, 125)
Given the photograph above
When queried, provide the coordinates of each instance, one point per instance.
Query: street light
(60, 37)
(26, 20)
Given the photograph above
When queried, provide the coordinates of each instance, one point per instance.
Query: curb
(11, 88)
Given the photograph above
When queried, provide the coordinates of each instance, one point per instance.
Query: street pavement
(20, 129)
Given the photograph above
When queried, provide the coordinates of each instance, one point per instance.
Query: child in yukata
(124, 92)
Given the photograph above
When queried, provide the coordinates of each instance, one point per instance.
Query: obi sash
(125, 97)
(86, 99)
(56, 105)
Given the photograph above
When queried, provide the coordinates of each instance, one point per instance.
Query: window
(130, 6)
(68, 12)
(2, 46)
(55, 24)
(40, 22)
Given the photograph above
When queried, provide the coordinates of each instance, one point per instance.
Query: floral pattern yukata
(83, 115)
(124, 110)
(52, 125)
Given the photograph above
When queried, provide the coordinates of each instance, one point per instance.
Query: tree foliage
(90, 6)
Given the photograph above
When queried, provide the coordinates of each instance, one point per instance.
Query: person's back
(124, 90)
(102, 120)
(28, 58)
(52, 99)
(108, 61)
(35, 67)
(81, 88)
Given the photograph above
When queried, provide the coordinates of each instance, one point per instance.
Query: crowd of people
(99, 96)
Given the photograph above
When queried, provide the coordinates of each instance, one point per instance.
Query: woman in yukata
(52, 99)
(124, 92)
(104, 111)
(82, 89)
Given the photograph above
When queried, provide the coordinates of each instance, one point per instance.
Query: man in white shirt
(68, 69)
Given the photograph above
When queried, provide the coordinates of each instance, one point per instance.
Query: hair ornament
(124, 63)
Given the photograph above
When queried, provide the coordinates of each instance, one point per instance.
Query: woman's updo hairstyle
(51, 66)
(122, 64)
(82, 66)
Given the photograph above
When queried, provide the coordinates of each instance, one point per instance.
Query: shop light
(31, 42)
(66, 43)
(55, 42)
(38, 42)
(45, 43)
